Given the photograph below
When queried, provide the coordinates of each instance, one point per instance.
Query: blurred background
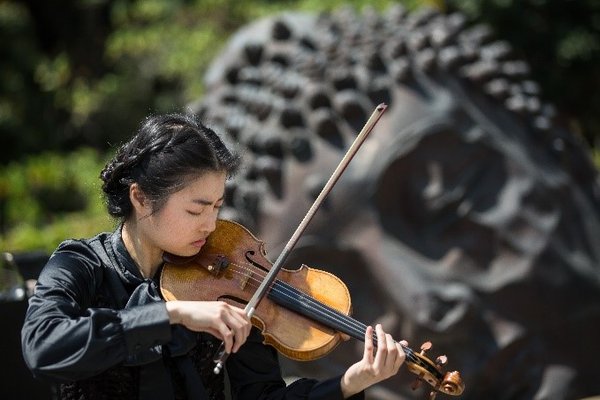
(76, 77)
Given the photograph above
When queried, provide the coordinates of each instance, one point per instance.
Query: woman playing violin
(97, 325)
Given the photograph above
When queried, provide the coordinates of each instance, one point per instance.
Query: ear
(139, 200)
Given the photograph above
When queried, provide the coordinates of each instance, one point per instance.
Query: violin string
(334, 315)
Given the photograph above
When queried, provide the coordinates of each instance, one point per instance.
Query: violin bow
(278, 264)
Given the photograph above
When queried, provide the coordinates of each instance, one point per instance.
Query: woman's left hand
(373, 368)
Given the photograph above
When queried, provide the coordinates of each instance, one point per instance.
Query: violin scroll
(430, 372)
(452, 384)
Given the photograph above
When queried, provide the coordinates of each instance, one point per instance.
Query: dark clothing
(101, 330)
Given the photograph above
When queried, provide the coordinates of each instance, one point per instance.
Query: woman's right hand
(226, 322)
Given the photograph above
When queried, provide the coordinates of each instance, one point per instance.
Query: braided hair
(162, 156)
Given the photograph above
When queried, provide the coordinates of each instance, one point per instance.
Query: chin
(192, 251)
(187, 252)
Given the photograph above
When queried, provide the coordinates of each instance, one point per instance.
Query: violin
(305, 312)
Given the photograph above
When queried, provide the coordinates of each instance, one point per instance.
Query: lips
(199, 243)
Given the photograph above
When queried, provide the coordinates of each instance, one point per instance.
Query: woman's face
(182, 225)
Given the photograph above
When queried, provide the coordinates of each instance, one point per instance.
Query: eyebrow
(207, 202)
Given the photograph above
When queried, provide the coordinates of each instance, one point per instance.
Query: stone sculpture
(469, 217)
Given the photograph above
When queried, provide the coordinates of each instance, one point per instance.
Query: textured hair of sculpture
(470, 216)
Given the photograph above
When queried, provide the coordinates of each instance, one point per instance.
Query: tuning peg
(441, 360)
(425, 347)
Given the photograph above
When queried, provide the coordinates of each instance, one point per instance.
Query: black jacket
(100, 330)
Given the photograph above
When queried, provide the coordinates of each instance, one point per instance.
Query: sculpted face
(467, 218)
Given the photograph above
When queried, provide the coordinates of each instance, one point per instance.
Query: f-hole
(249, 255)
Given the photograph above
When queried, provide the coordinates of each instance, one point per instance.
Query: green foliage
(21, 101)
(51, 197)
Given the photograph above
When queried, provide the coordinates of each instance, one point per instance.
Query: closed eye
(197, 213)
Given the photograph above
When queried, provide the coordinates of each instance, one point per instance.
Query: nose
(209, 224)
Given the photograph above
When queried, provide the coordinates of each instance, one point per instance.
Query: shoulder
(76, 260)
(84, 251)
(83, 246)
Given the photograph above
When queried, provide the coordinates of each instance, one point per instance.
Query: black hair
(164, 153)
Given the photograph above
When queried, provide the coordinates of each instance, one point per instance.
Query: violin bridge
(244, 279)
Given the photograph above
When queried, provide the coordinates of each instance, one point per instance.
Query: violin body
(216, 273)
